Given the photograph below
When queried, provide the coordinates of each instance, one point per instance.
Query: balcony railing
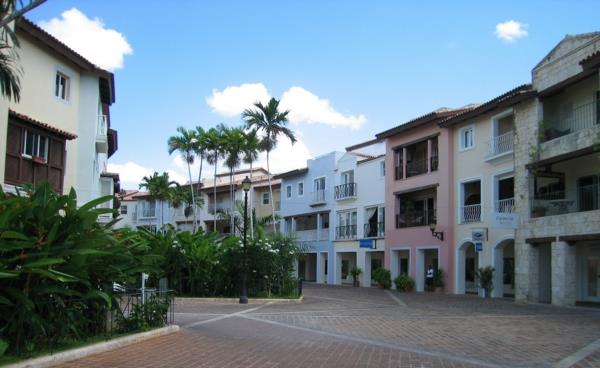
(471, 213)
(345, 232)
(101, 134)
(505, 205)
(501, 144)
(416, 167)
(221, 207)
(317, 197)
(435, 161)
(398, 173)
(306, 235)
(375, 230)
(345, 191)
(414, 219)
(584, 198)
(582, 117)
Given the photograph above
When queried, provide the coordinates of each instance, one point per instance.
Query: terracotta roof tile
(45, 126)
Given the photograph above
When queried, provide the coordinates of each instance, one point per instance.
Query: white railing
(318, 196)
(306, 235)
(579, 118)
(501, 144)
(471, 213)
(102, 125)
(324, 234)
(505, 205)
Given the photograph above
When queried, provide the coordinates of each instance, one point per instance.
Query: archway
(467, 261)
(504, 265)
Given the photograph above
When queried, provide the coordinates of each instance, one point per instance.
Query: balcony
(434, 162)
(505, 205)
(345, 191)
(345, 232)
(574, 120)
(375, 230)
(500, 145)
(471, 213)
(581, 199)
(102, 134)
(416, 167)
(414, 219)
(317, 198)
(220, 208)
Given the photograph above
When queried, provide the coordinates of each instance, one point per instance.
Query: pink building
(418, 198)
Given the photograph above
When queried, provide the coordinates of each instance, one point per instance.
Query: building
(557, 244)
(359, 216)
(127, 208)
(483, 198)
(60, 131)
(307, 205)
(418, 198)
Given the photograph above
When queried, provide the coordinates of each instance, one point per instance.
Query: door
(593, 278)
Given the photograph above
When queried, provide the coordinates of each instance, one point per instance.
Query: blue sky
(376, 64)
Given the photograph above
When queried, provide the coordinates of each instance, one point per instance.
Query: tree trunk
(271, 194)
(193, 197)
(200, 176)
(251, 213)
(231, 196)
(215, 198)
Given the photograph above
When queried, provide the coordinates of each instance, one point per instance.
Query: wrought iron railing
(398, 172)
(344, 191)
(434, 162)
(345, 232)
(471, 213)
(374, 230)
(414, 218)
(583, 198)
(579, 118)
(501, 144)
(505, 205)
(416, 167)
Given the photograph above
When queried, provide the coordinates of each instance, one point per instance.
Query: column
(319, 225)
(338, 269)
(526, 271)
(363, 260)
(394, 265)
(563, 274)
(293, 225)
(320, 268)
(429, 155)
(404, 162)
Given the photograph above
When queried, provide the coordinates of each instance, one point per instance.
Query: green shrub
(404, 282)
(151, 314)
(383, 277)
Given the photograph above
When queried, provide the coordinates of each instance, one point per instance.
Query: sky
(345, 69)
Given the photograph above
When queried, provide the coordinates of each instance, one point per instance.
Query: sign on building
(500, 220)
(367, 243)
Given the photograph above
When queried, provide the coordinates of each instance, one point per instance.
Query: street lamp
(436, 234)
(246, 183)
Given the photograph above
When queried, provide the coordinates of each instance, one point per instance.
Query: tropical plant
(383, 277)
(57, 267)
(159, 188)
(200, 148)
(234, 141)
(213, 142)
(187, 144)
(404, 282)
(485, 279)
(438, 278)
(10, 84)
(251, 150)
(272, 122)
(356, 272)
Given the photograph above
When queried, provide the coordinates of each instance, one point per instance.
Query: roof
(290, 173)
(582, 37)
(370, 159)
(509, 98)
(591, 61)
(244, 171)
(107, 81)
(438, 114)
(127, 195)
(362, 144)
(45, 126)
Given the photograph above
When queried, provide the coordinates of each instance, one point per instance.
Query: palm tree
(213, 141)
(272, 123)
(234, 144)
(159, 188)
(9, 70)
(251, 150)
(186, 143)
(201, 151)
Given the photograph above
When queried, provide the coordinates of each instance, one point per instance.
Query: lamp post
(244, 297)
(436, 234)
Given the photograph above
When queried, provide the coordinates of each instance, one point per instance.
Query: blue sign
(367, 243)
(478, 246)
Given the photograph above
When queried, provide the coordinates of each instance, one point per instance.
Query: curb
(74, 354)
(183, 300)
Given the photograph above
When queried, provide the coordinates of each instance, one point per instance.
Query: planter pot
(485, 293)
(439, 290)
(356, 283)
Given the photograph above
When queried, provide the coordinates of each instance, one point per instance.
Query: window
(35, 145)
(346, 225)
(288, 191)
(382, 168)
(123, 210)
(148, 209)
(266, 198)
(61, 86)
(300, 189)
(467, 140)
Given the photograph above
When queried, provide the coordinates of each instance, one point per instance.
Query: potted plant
(438, 280)
(383, 278)
(404, 283)
(485, 278)
(355, 272)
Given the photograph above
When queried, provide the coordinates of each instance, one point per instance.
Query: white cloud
(306, 107)
(234, 99)
(285, 156)
(130, 173)
(102, 46)
(511, 30)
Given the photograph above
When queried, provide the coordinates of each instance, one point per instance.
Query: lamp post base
(243, 300)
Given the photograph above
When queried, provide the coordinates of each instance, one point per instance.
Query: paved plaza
(357, 327)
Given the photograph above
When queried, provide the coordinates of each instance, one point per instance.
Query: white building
(60, 130)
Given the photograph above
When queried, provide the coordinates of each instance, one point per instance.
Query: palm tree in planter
(213, 142)
(159, 188)
(438, 280)
(234, 143)
(356, 272)
(272, 122)
(485, 278)
(186, 143)
(251, 150)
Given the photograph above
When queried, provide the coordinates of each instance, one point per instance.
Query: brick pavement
(357, 327)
